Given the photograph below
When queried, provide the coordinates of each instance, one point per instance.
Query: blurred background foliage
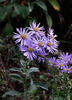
(20, 13)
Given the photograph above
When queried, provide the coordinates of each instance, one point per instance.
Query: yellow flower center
(68, 69)
(41, 55)
(30, 49)
(23, 36)
(53, 63)
(49, 44)
(61, 65)
(40, 44)
(36, 29)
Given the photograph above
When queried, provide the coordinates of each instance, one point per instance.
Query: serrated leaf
(49, 20)
(31, 70)
(11, 93)
(40, 4)
(55, 4)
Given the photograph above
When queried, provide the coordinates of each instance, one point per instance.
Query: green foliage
(49, 20)
(14, 9)
(11, 93)
(33, 89)
(41, 4)
(8, 29)
(55, 4)
(16, 77)
(31, 70)
(21, 75)
(21, 11)
(59, 98)
(44, 7)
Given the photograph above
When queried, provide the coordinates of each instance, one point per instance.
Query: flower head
(53, 61)
(28, 51)
(35, 30)
(61, 64)
(41, 56)
(40, 44)
(22, 36)
(65, 57)
(52, 46)
(67, 69)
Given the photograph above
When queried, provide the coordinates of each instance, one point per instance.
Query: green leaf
(25, 12)
(3, 13)
(55, 4)
(9, 9)
(15, 69)
(22, 11)
(8, 29)
(31, 70)
(49, 20)
(40, 4)
(11, 93)
(16, 77)
(17, 8)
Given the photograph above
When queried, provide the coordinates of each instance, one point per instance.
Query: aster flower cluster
(64, 62)
(33, 42)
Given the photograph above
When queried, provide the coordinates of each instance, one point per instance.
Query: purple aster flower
(53, 61)
(28, 51)
(52, 46)
(61, 64)
(22, 36)
(67, 69)
(40, 44)
(35, 30)
(65, 57)
(42, 54)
